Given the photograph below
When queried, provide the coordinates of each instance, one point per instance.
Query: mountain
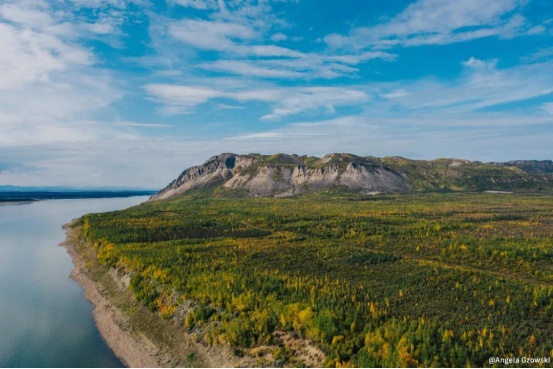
(283, 175)
(532, 166)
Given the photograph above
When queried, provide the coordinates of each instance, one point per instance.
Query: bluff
(282, 175)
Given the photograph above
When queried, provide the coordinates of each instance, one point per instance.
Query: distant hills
(531, 166)
(16, 193)
(11, 188)
(284, 175)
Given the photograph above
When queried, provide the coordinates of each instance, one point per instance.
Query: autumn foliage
(411, 280)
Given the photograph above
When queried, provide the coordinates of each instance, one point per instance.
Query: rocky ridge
(282, 175)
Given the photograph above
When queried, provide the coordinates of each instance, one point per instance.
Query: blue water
(45, 320)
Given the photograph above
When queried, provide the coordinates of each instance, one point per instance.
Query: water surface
(45, 320)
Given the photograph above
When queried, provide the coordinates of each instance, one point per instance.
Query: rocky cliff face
(284, 175)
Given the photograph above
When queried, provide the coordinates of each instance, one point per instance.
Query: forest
(428, 279)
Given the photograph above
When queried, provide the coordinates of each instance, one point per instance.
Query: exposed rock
(287, 176)
(216, 170)
(283, 175)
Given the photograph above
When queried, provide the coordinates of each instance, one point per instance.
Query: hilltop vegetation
(283, 175)
(411, 280)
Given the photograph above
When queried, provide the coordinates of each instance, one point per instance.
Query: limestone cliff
(283, 175)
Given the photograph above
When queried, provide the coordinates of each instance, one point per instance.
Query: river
(45, 320)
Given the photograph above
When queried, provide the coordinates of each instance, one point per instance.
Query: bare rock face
(373, 179)
(285, 175)
(215, 170)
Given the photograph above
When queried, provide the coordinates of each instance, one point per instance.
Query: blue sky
(131, 92)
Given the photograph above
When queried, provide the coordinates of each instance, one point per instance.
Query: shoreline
(109, 319)
(136, 336)
(16, 202)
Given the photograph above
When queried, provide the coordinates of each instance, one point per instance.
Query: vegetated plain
(438, 279)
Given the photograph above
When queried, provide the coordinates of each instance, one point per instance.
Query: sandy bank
(138, 337)
(132, 350)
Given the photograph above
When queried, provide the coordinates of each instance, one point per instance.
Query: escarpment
(283, 175)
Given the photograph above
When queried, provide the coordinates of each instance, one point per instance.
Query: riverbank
(15, 202)
(138, 337)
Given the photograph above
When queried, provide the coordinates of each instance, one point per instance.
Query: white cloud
(26, 16)
(30, 55)
(536, 30)
(231, 107)
(357, 58)
(126, 123)
(476, 137)
(308, 66)
(428, 22)
(483, 85)
(135, 161)
(62, 97)
(395, 94)
(265, 94)
(241, 39)
(101, 28)
(180, 99)
(548, 107)
(122, 162)
(251, 68)
(210, 35)
(231, 27)
(284, 101)
(539, 55)
(58, 123)
(102, 4)
(41, 133)
(261, 135)
(272, 50)
(48, 84)
(225, 36)
(277, 37)
(313, 98)
(444, 17)
(197, 4)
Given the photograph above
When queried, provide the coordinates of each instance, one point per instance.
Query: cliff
(283, 175)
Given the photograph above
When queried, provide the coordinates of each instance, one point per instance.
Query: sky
(132, 92)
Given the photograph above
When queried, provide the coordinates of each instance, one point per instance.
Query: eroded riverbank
(138, 337)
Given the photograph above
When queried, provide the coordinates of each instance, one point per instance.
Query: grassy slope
(435, 279)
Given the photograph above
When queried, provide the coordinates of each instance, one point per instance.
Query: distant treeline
(52, 195)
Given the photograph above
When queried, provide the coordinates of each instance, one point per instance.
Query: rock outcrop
(286, 175)
(283, 175)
